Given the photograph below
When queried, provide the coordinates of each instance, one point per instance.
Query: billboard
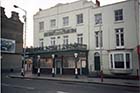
(7, 45)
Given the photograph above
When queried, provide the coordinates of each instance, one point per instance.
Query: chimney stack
(2, 9)
(14, 16)
(98, 3)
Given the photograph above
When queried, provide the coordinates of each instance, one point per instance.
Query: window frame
(80, 38)
(53, 41)
(80, 18)
(41, 42)
(53, 23)
(97, 20)
(119, 38)
(65, 21)
(97, 38)
(118, 16)
(41, 26)
(65, 40)
(112, 63)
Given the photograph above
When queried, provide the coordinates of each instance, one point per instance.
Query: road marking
(61, 92)
(17, 86)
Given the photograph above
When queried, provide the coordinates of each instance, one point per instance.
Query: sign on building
(7, 45)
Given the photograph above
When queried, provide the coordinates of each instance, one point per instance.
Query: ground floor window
(120, 60)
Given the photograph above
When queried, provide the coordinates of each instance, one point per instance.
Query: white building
(81, 22)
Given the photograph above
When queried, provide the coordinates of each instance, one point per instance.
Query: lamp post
(24, 50)
(53, 70)
(76, 70)
(38, 65)
(100, 44)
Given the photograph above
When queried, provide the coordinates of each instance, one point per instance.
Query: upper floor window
(79, 18)
(98, 36)
(80, 38)
(98, 19)
(65, 40)
(65, 21)
(119, 37)
(53, 22)
(41, 43)
(41, 26)
(118, 15)
(53, 41)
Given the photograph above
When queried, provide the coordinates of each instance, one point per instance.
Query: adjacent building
(11, 41)
(104, 37)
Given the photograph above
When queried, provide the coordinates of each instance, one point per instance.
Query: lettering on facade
(60, 32)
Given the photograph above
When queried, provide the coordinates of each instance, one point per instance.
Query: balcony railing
(58, 48)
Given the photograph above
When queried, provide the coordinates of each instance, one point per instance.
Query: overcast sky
(32, 6)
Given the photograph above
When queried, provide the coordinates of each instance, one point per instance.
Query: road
(17, 85)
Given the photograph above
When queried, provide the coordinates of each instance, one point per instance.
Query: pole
(38, 62)
(22, 68)
(76, 70)
(53, 70)
(24, 45)
(100, 44)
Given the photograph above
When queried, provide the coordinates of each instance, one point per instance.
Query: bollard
(38, 72)
(22, 72)
(101, 76)
(138, 75)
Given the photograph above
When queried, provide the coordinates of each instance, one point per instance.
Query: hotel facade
(88, 37)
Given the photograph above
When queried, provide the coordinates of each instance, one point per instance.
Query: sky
(32, 6)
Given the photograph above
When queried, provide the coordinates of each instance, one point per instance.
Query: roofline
(61, 5)
(115, 3)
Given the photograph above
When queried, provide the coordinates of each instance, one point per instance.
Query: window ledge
(98, 25)
(120, 47)
(120, 21)
(81, 24)
(121, 71)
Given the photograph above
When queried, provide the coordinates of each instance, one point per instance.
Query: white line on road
(17, 86)
(61, 92)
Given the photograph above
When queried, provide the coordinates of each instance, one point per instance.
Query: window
(41, 43)
(127, 60)
(65, 21)
(53, 23)
(80, 38)
(65, 40)
(97, 39)
(79, 18)
(118, 15)
(98, 19)
(41, 26)
(120, 60)
(53, 41)
(119, 38)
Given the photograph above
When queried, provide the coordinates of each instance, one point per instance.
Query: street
(17, 85)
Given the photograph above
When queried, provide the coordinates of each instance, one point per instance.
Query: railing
(59, 48)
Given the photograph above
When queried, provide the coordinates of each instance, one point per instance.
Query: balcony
(55, 48)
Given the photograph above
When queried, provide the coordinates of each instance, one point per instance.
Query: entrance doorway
(58, 67)
(97, 61)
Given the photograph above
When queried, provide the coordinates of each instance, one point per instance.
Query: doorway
(97, 61)
(58, 67)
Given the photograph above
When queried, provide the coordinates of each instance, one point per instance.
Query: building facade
(11, 42)
(107, 36)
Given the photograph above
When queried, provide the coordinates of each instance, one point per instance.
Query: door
(58, 67)
(97, 61)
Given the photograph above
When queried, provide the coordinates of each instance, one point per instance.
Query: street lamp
(38, 65)
(24, 51)
(100, 44)
(53, 70)
(76, 70)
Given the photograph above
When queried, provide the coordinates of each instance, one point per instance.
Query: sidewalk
(81, 79)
